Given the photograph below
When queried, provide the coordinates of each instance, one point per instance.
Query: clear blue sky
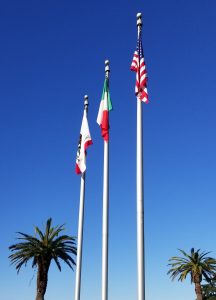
(52, 53)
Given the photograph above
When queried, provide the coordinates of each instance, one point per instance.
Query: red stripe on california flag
(87, 144)
(77, 169)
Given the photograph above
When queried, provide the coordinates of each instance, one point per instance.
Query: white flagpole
(80, 224)
(105, 224)
(140, 194)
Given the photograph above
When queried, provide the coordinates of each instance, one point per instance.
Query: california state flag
(103, 113)
(84, 142)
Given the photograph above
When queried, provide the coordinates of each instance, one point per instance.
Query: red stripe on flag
(87, 144)
(105, 125)
(77, 169)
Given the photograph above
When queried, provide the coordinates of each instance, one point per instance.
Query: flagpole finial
(139, 19)
(107, 68)
(86, 103)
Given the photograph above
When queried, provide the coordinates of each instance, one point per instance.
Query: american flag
(138, 66)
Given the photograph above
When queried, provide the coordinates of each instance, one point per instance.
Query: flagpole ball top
(139, 19)
(86, 100)
(107, 68)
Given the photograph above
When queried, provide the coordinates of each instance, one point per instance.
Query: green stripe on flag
(106, 90)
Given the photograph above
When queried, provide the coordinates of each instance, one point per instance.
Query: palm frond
(39, 232)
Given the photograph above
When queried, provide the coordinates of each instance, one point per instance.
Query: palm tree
(197, 264)
(209, 290)
(42, 250)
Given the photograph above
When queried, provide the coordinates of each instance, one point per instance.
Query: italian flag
(84, 142)
(103, 113)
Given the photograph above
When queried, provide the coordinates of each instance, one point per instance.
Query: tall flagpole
(105, 224)
(140, 194)
(80, 224)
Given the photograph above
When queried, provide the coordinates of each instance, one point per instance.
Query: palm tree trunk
(198, 291)
(39, 297)
(42, 279)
